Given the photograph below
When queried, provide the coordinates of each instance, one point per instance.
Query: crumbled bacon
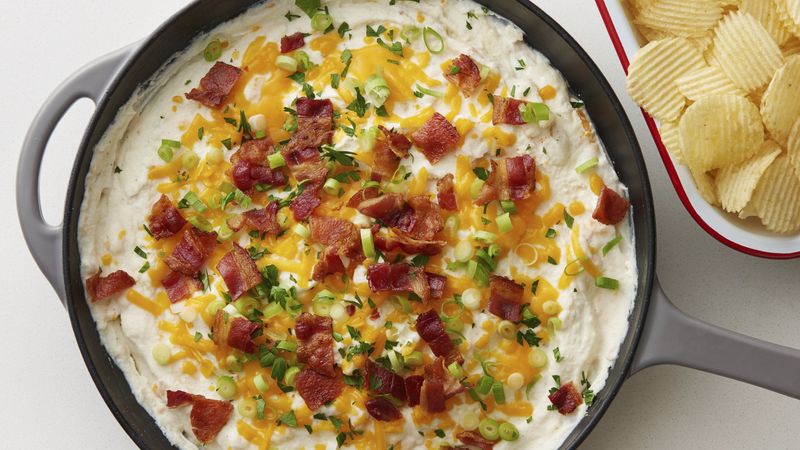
(329, 264)
(338, 235)
(180, 286)
(316, 389)
(413, 386)
(506, 110)
(611, 207)
(398, 142)
(103, 287)
(316, 343)
(468, 76)
(431, 329)
(263, 220)
(292, 42)
(165, 219)
(473, 439)
(382, 409)
(445, 194)
(381, 380)
(362, 195)
(387, 208)
(239, 271)
(216, 85)
(438, 386)
(566, 399)
(436, 138)
(426, 220)
(235, 332)
(208, 417)
(505, 298)
(192, 251)
(314, 128)
(400, 277)
(304, 204)
(397, 240)
(385, 161)
(511, 179)
(250, 166)
(436, 284)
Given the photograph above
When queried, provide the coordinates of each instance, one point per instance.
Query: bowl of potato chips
(719, 84)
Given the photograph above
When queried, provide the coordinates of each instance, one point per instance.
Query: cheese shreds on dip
(367, 225)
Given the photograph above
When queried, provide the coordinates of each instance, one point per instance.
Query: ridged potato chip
(766, 12)
(736, 183)
(745, 51)
(791, 48)
(789, 11)
(652, 75)
(793, 148)
(776, 199)
(720, 130)
(671, 140)
(680, 17)
(705, 185)
(707, 81)
(780, 105)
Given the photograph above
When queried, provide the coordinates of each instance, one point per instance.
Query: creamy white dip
(594, 320)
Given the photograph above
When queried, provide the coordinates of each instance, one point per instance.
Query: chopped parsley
(343, 29)
(359, 105)
(290, 17)
(375, 32)
(288, 419)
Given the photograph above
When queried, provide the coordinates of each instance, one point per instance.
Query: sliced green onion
(332, 186)
(471, 299)
(451, 225)
(475, 188)
(224, 232)
(377, 90)
(215, 156)
(574, 268)
(199, 223)
(590, 163)
(553, 325)
(165, 152)
(463, 251)
(455, 369)
(534, 111)
(321, 21)
(162, 354)
(400, 303)
(515, 381)
(484, 384)
(245, 305)
(322, 307)
(537, 358)
(189, 160)
(194, 202)
(302, 231)
(303, 61)
(232, 364)
(226, 387)
(394, 360)
(606, 283)
(260, 383)
(291, 375)
(430, 92)
(434, 41)
(489, 429)
(485, 71)
(504, 224)
(410, 32)
(470, 420)
(215, 306)
(271, 310)
(286, 63)
(213, 50)
(287, 346)
(508, 432)
(499, 393)
(507, 329)
(413, 359)
(324, 295)
(611, 244)
(367, 243)
(276, 160)
(367, 138)
(472, 268)
(247, 407)
(508, 206)
(484, 236)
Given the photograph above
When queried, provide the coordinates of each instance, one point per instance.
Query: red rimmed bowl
(747, 236)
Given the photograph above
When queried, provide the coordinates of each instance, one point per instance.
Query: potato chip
(729, 3)
(653, 35)
(702, 43)
(789, 11)
(736, 183)
(720, 130)
(652, 75)
(780, 105)
(766, 12)
(705, 185)
(679, 17)
(776, 199)
(793, 147)
(671, 140)
(707, 81)
(745, 51)
(792, 47)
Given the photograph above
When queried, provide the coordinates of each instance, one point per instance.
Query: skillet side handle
(45, 240)
(672, 337)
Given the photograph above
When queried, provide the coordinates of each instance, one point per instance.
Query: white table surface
(49, 401)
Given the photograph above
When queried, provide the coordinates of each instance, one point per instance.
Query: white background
(47, 399)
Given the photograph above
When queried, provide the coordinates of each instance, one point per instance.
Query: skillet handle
(45, 240)
(671, 337)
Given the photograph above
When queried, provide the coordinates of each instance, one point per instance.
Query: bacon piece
(413, 386)
(436, 138)
(239, 271)
(101, 288)
(250, 166)
(192, 251)
(468, 76)
(438, 386)
(474, 439)
(314, 127)
(426, 220)
(400, 277)
(165, 219)
(263, 220)
(179, 286)
(431, 329)
(383, 410)
(208, 417)
(505, 298)
(216, 85)
(235, 332)
(317, 389)
(337, 235)
(385, 161)
(445, 193)
(506, 110)
(387, 208)
(292, 42)
(436, 284)
(397, 240)
(304, 204)
(330, 263)
(510, 179)
(566, 399)
(611, 207)
(362, 195)
(316, 343)
(381, 380)
(398, 143)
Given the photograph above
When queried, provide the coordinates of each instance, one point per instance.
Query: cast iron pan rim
(634, 331)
